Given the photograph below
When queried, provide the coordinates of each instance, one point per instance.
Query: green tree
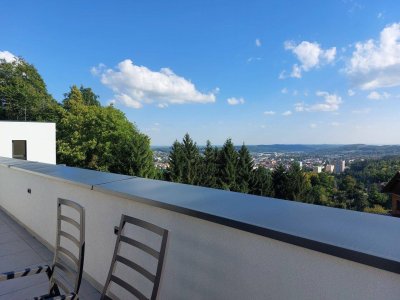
(209, 166)
(175, 161)
(101, 138)
(89, 97)
(244, 170)
(261, 183)
(298, 184)
(23, 93)
(280, 182)
(191, 163)
(227, 164)
(142, 157)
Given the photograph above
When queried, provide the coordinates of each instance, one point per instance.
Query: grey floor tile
(5, 228)
(27, 293)
(19, 250)
(20, 260)
(13, 247)
(13, 285)
(8, 237)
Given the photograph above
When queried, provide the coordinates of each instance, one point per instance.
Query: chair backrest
(158, 255)
(68, 260)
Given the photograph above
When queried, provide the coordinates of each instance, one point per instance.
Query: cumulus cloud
(351, 93)
(331, 103)
(287, 113)
(8, 57)
(378, 96)
(134, 86)
(376, 64)
(258, 42)
(269, 113)
(235, 101)
(310, 56)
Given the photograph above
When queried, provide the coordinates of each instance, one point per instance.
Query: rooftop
(214, 233)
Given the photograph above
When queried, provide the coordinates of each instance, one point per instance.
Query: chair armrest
(26, 272)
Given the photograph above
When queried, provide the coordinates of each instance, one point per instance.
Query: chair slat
(136, 267)
(128, 287)
(70, 221)
(69, 254)
(140, 245)
(146, 225)
(70, 237)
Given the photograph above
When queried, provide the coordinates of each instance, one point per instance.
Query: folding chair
(66, 265)
(158, 255)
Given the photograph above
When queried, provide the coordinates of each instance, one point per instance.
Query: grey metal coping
(82, 177)
(364, 238)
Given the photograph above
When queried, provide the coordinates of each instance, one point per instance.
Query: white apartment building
(34, 141)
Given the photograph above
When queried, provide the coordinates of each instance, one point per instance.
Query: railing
(222, 245)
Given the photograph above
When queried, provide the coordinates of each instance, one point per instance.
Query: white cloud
(287, 113)
(335, 124)
(282, 75)
(351, 93)
(284, 91)
(331, 103)
(235, 101)
(376, 64)
(296, 71)
(134, 86)
(313, 125)
(7, 56)
(380, 15)
(258, 42)
(269, 113)
(378, 96)
(310, 55)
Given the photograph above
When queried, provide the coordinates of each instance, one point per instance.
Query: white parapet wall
(204, 260)
(40, 140)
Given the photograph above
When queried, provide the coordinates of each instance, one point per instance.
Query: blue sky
(259, 72)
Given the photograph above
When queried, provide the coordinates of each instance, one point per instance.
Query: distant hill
(361, 149)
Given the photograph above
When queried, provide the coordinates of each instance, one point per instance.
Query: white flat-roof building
(34, 141)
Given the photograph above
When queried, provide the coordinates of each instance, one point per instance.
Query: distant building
(33, 141)
(329, 168)
(301, 164)
(317, 169)
(340, 165)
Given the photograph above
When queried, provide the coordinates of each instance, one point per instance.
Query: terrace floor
(18, 250)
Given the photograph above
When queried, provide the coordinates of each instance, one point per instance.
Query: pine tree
(209, 167)
(261, 183)
(176, 161)
(191, 164)
(142, 157)
(227, 164)
(280, 182)
(244, 170)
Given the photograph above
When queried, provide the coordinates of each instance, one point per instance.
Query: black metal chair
(66, 265)
(158, 255)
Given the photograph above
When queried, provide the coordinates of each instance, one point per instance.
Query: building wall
(40, 140)
(204, 260)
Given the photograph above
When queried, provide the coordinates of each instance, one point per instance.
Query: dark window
(19, 149)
